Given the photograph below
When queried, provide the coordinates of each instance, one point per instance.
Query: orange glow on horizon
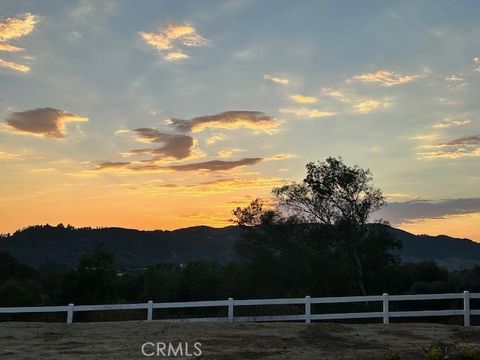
(460, 226)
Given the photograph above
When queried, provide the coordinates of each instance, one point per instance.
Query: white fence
(307, 302)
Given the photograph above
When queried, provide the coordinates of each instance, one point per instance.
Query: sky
(167, 114)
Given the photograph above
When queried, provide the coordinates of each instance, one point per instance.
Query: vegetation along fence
(386, 314)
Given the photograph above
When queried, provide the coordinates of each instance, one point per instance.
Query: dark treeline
(95, 281)
(317, 240)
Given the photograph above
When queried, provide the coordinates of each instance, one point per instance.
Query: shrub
(468, 352)
(393, 354)
(434, 353)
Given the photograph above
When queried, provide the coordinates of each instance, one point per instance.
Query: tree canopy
(323, 217)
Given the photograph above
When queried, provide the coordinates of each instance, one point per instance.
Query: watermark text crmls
(172, 349)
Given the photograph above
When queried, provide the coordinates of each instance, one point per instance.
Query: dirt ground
(123, 340)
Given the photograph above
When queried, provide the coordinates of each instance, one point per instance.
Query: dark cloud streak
(47, 122)
(227, 120)
(401, 212)
(213, 165)
(173, 145)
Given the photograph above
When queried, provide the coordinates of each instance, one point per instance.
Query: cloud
(5, 155)
(173, 145)
(447, 123)
(255, 120)
(426, 137)
(303, 99)
(46, 122)
(476, 64)
(227, 185)
(467, 140)
(393, 197)
(385, 78)
(468, 146)
(366, 106)
(170, 40)
(448, 102)
(176, 55)
(336, 94)
(454, 78)
(9, 48)
(182, 146)
(404, 212)
(13, 28)
(112, 165)
(212, 165)
(357, 104)
(306, 113)
(215, 138)
(216, 165)
(280, 157)
(14, 66)
(229, 152)
(276, 79)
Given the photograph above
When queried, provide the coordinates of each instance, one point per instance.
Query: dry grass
(123, 340)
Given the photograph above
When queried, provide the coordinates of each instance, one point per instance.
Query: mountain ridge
(42, 244)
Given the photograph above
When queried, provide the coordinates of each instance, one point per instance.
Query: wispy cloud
(385, 78)
(14, 66)
(280, 157)
(172, 145)
(369, 105)
(228, 152)
(447, 123)
(306, 113)
(215, 138)
(172, 39)
(46, 122)
(276, 79)
(454, 78)
(14, 28)
(6, 155)
(404, 212)
(227, 185)
(180, 146)
(301, 99)
(356, 103)
(476, 64)
(393, 197)
(212, 165)
(255, 120)
(176, 55)
(336, 94)
(468, 146)
(448, 102)
(105, 165)
(9, 48)
(425, 137)
(216, 165)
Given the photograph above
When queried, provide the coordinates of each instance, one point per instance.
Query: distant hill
(447, 251)
(38, 245)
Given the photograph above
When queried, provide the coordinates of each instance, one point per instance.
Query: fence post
(70, 313)
(150, 310)
(386, 310)
(308, 309)
(230, 310)
(466, 308)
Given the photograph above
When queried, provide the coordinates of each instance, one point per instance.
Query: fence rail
(307, 316)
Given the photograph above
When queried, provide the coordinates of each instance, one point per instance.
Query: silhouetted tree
(339, 199)
(19, 284)
(93, 281)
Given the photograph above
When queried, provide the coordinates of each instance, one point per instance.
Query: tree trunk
(360, 284)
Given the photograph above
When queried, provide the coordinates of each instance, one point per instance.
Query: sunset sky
(166, 114)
